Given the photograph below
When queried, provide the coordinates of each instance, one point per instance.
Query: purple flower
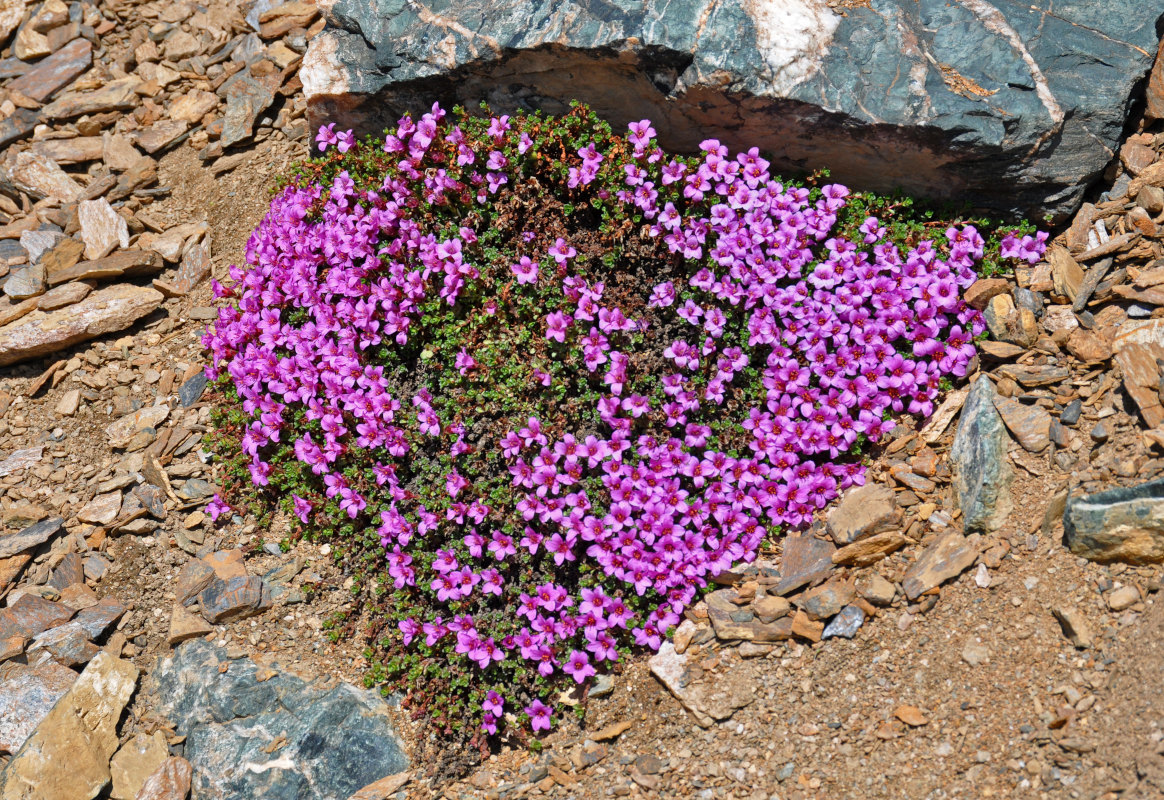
(578, 666)
(302, 508)
(540, 715)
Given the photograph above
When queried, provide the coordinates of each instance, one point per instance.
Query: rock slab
(105, 311)
(337, 740)
(1117, 525)
(982, 474)
(934, 97)
(80, 731)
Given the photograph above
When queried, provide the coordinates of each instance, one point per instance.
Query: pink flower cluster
(838, 335)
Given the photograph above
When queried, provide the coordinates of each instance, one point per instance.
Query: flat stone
(1117, 525)
(186, 625)
(1029, 424)
(70, 571)
(152, 498)
(770, 608)
(34, 535)
(68, 644)
(806, 628)
(870, 550)
(118, 152)
(18, 126)
(227, 564)
(911, 716)
(78, 596)
(27, 694)
(11, 567)
(1066, 274)
(1139, 365)
(170, 781)
(98, 619)
(1150, 331)
(241, 596)
(38, 242)
(80, 731)
(845, 624)
(115, 95)
(946, 558)
(982, 474)
(160, 135)
(1034, 375)
(135, 762)
(64, 295)
(102, 229)
(828, 599)
(77, 150)
(32, 615)
(862, 512)
(247, 95)
(11, 14)
(1088, 346)
(181, 45)
(102, 509)
(945, 78)
(127, 263)
(1123, 598)
(338, 738)
(805, 559)
(708, 702)
(192, 106)
(21, 459)
(194, 269)
(25, 283)
(61, 256)
(876, 589)
(190, 392)
(106, 311)
(388, 786)
(40, 177)
(122, 430)
(983, 290)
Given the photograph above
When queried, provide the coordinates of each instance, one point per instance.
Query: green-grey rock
(982, 474)
(1015, 106)
(338, 739)
(1117, 525)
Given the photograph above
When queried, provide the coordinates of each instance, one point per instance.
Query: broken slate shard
(1117, 525)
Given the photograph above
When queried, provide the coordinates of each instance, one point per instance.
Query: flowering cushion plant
(551, 380)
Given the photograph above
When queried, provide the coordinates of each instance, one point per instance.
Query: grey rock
(982, 474)
(846, 624)
(69, 644)
(949, 556)
(241, 596)
(195, 489)
(36, 534)
(1071, 412)
(1099, 433)
(1117, 525)
(98, 619)
(937, 98)
(338, 739)
(27, 694)
(190, 391)
(25, 283)
(805, 559)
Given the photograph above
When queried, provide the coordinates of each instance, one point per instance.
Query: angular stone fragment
(160, 135)
(102, 229)
(193, 578)
(61, 256)
(105, 311)
(862, 512)
(191, 391)
(68, 644)
(1117, 525)
(80, 731)
(239, 597)
(31, 615)
(247, 95)
(868, 551)
(27, 694)
(77, 150)
(34, 535)
(946, 558)
(828, 599)
(25, 283)
(1139, 364)
(194, 269)
(1029, 424)
(21, 459)
(1088, 346)
(122, 430)
(1066, 273)
(118, 152)
(102, 509)
(126, 263)
(845, 624)
(62, 296)
(1034, 375)
(982, 474)
(805, 559)
(186, 625)
(17, 126)
(135, 762)
(170, 781)
(11, 13)
(116, 95)
(40, 177)
(98, 619)
(192, 106)
(983, 290)
(708, 702)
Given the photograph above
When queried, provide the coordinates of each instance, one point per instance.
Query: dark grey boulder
(338, 739)
(1117, 525)
(982, 474)
(1011, 106)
